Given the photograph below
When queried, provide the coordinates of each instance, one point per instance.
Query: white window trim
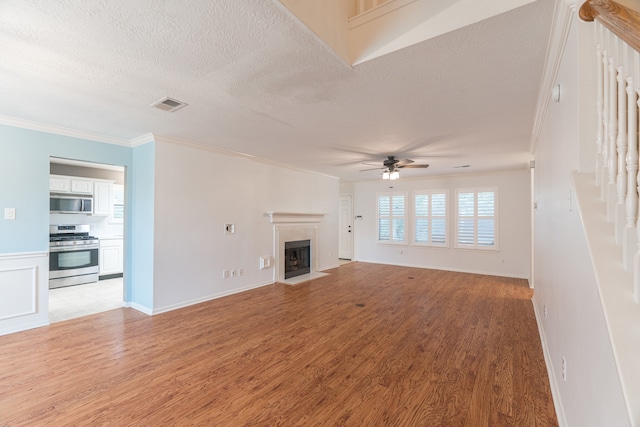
(496, 199)
(112, 218)
(406, 219)
(414, 218)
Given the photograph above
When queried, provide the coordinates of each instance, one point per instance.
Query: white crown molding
(377, 12)
(560, 27)
(59, 130)
(173, 140)
(141, 140)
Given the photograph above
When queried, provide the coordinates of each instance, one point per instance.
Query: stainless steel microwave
(70, 203)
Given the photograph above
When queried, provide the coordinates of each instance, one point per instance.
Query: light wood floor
(369, 345)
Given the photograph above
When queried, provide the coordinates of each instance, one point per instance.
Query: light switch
(265, 262)
(229, 229)
(9, 213)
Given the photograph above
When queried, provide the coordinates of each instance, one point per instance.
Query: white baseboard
(329, 267)
(139, 307)
(207, 298)
(456, 270)
(23, 327)
(555, 391)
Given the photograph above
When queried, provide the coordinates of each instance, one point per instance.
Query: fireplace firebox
(297, 258)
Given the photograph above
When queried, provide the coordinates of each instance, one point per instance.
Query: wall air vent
(169, 104)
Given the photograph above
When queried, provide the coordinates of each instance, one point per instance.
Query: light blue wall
(24, 185)
(141, 230)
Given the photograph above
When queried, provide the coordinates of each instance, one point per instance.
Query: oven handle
(73, 248)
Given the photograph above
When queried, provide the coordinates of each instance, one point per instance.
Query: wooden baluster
(612, 165)
(621, 153)
(631, 161)
(621, 141)
(613, 123)
(632, 155)
(360, 6)
(605, 125)
(600, 107)
(636, 260)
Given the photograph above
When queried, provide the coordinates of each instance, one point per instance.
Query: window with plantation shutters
(476, 219)
(392, 218)
(430, 218)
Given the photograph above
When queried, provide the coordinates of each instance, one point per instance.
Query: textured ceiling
(259, 82)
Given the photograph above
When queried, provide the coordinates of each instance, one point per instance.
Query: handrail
(619, 19)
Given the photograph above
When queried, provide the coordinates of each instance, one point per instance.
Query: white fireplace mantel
(294, 217)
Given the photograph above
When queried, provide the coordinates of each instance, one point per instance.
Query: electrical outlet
(564, 368)
(225, 274)
(241, 272)
(9, 213)
(234, 273)
(545, 310)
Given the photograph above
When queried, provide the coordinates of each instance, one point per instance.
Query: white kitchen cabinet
(58, 184)
(81, 186)
(102, 197)
(111, 256)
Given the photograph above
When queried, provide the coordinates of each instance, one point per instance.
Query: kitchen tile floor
(81, 300)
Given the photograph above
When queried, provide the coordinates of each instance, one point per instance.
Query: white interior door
(345, 250)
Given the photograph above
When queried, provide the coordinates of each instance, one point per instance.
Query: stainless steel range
(73, 255)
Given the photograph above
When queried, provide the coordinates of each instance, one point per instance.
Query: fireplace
(294, 227)
(297, 258)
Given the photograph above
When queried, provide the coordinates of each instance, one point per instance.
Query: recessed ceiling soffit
(361, 30)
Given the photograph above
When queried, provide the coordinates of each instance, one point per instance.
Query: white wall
(565, 283)
(198, 191)
(512, 258)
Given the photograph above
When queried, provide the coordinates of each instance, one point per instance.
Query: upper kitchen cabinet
(65, 184)
(59, 184)
(102, 197)
(81, 186)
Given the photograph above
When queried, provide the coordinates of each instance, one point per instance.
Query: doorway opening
(100, 228)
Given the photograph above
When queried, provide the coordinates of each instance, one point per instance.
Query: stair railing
(617, 35)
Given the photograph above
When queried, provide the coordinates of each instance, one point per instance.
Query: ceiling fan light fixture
(391, 175)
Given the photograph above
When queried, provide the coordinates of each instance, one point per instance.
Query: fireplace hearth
(297, 258)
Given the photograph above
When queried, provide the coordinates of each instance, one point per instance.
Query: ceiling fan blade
(413, 166)
(402, 163)
(372, 169)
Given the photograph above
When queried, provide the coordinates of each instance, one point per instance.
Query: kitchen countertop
(110, 237)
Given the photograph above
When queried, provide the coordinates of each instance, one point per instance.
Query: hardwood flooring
(368, 345)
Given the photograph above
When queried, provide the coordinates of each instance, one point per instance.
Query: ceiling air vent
(169, 104)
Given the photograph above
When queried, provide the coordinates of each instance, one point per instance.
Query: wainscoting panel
(24, 289)
(18, 287)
